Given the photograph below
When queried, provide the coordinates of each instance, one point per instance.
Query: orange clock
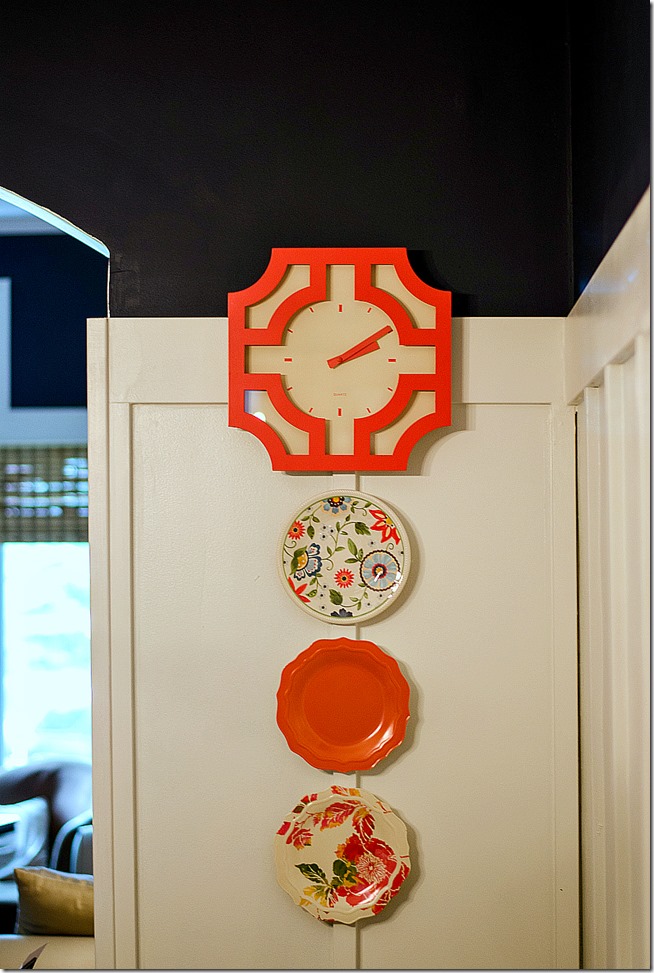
(339, 359)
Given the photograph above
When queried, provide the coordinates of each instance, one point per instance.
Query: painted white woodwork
(614, 307)
(610, 324)
(17, 222)
(102, 754)
(58, 223)
(190, 634)
(593, 731)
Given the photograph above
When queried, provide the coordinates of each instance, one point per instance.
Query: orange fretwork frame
(317, 456)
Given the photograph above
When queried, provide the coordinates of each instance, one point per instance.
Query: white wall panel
(196, 633)
(478, 782)
(211, 637)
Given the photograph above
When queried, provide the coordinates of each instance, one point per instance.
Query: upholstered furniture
(55, 910)
(63, 788)
(65, 784)
(60, 953)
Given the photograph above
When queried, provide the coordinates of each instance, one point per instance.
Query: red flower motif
(385, 526)
(375, 862)
(344, 578)
(298, 591)
(402, 873)
(296, 530)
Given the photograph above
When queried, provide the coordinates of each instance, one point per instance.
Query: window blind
(44, 493)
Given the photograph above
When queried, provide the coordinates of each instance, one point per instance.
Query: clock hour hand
(362, 348)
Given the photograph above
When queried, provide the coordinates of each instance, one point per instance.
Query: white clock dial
(341, 359)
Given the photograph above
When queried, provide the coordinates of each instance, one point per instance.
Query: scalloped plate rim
(345, 914)
(329, 758)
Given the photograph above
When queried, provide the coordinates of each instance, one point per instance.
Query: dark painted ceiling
(504, 151)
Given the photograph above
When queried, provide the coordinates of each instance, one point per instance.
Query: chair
(71, 851)
(65, 785)
(81, 850)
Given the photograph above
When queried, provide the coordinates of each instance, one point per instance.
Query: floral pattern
(385, 525)
(296, 530)
(341, 613)
(379, 570)
(344, 578)
(307, 562)
(344, 557)
(355, 874)
(335, 505)
(299, 590)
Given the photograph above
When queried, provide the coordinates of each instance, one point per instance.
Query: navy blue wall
(504, 152)
(609, 124)
(56, 283)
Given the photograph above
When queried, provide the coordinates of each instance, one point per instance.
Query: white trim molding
(55, 221)
(608, 375)
(613, 309)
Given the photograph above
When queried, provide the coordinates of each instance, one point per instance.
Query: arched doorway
(53, 276)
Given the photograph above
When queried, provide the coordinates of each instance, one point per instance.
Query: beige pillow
(52, 903)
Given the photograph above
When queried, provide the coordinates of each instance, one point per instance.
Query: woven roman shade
(44, 493)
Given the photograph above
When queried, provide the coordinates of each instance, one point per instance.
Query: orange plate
(343, 704)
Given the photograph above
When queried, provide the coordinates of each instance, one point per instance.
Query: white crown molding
(613, 309)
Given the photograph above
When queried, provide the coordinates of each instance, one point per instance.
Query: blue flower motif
(380, 570)
(309, 563)
(336, 504)
(341, 613)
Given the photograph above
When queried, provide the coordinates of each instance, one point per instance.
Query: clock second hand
(362, 348)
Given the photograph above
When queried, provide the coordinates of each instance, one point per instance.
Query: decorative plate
(343, 704)
(342, 854)
(344, 559)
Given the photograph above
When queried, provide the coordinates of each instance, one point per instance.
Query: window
(44, 605)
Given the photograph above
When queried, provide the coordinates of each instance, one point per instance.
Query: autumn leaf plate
(343, 704)
(344, 559)
(342, 854)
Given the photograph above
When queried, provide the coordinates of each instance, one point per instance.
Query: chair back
(65, 785)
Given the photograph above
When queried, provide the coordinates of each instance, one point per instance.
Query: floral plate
(344, 559)
(343, 704)
(342, 854)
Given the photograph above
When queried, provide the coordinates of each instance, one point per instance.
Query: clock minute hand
(362, 348)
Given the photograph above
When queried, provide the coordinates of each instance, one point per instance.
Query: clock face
(325, 380)
(344, 559)
(333, 371)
